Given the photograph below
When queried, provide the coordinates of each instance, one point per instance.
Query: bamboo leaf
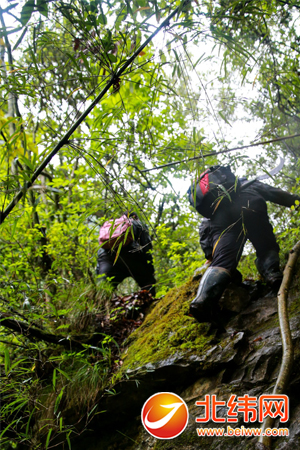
(15, 364)
(118, 252)
(42, 7)
(8, 426)
(65, 374)
(20, 39)
(92, 410)
(270, 95)
(48, 438)
(142, 8)
(54, 379)
(28, 423)
(27, 11)
(224, 118)
(68, 440)
(58, 400)
(6, 361)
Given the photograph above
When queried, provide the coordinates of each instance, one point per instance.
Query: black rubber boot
(205, 306)
(268, 267)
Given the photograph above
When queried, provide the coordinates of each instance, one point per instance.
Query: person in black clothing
(242, 215)
(134, 260)
(206, 243)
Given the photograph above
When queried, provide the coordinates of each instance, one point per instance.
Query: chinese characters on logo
(252, 408)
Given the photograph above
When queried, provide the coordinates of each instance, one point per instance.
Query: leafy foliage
(64, 55)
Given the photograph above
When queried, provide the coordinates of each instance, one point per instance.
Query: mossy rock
(167, 331)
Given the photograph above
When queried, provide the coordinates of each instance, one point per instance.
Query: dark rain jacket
(243, 216)
(249, 197)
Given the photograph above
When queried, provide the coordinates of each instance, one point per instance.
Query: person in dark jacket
(206, 243)
(237, 218)
(134, 260)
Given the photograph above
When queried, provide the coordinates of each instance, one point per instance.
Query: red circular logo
(165, 415)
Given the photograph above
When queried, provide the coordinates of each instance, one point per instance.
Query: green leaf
(224, 118)
(14, 229)
(225, 191)
(27, 11)
(63, 327)
(68, 440)
(270, 94)
(6, 361)
(54, 379)
(48, 438)
(194, 135)
(28, 423)
(7, 122)
(129, 10)
(65, 374)
(58, 400)
(112, 57)
(16, 363)
(8, 426)
(85, 62)
(102, 19)
(92, 410)
(42, 7)
(20, 38)
(118, 252)
(28, 163)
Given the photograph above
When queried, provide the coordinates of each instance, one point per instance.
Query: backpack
(213, 185)
(116, 232)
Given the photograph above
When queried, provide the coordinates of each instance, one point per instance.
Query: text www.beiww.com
(242, 431)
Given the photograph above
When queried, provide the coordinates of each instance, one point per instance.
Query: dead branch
(33, 333)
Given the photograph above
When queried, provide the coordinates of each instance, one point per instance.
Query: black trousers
(129, 264)
(245, 217)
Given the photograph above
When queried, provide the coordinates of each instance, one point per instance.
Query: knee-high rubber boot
(268, 267)
(205, 307)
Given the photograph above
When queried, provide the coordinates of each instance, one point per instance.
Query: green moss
(167, 331)
(294, 306)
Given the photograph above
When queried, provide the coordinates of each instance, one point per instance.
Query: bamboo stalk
(194, 158)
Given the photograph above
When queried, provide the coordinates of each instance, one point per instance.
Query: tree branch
(10, 58)
(33, 333)
(286, 337)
